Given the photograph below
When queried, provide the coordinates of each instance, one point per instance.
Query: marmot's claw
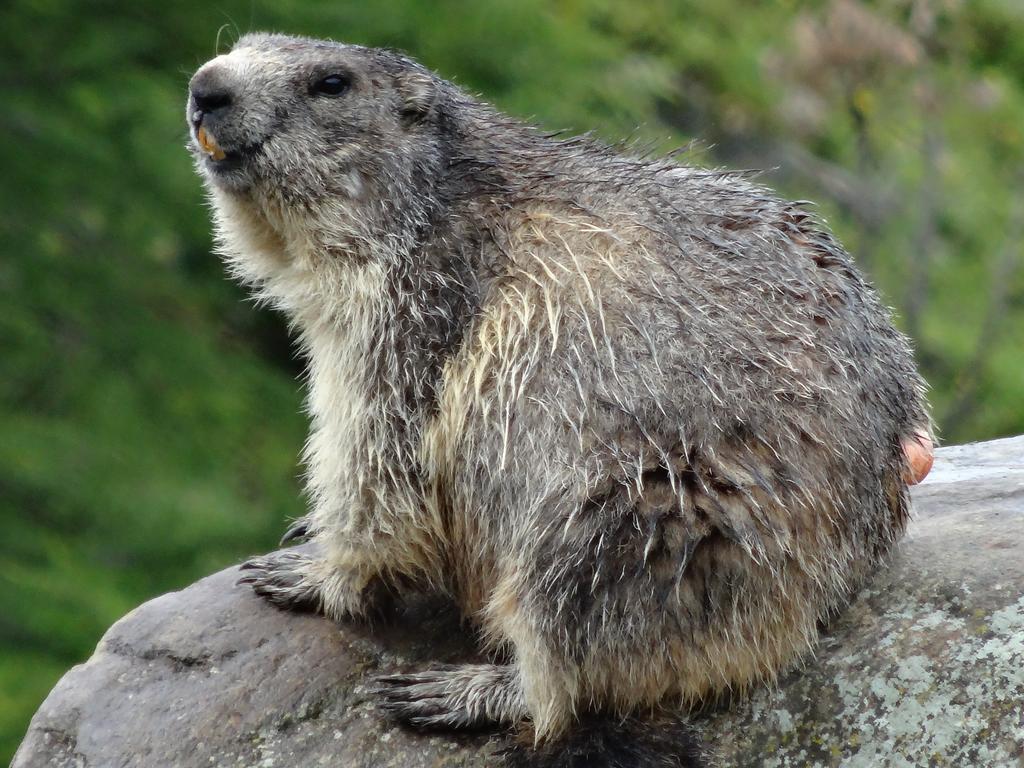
(297, 530)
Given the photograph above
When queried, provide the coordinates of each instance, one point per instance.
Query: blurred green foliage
(151, 418)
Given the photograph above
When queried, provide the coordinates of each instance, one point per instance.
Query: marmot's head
(306, 119)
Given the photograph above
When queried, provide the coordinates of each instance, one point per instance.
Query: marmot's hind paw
(281, 578)
(468, 696)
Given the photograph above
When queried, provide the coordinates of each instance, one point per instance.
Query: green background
(150, 416)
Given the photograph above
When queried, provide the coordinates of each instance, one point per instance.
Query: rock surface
(925, 668)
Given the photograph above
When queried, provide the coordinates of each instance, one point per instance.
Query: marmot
(646, 423)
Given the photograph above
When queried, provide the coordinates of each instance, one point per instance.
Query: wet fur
(601, 741)
(642, 421)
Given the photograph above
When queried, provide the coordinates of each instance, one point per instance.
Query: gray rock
(924, 668)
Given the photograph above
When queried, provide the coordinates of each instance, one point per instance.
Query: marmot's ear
(419, 94)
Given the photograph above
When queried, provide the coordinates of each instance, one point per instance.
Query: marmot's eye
(332, 85)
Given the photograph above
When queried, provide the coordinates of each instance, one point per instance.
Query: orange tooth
(209, 144)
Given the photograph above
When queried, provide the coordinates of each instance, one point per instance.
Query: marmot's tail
(608, 742)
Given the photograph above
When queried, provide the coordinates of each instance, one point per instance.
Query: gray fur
(642, 420)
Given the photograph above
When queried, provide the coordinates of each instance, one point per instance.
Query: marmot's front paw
(284, 579)
(301, 582)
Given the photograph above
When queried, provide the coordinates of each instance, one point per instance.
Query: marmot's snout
(209, 99)
(211, 104)
(227, 121)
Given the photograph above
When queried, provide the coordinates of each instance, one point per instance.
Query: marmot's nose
(209, 101)
(210, 93)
